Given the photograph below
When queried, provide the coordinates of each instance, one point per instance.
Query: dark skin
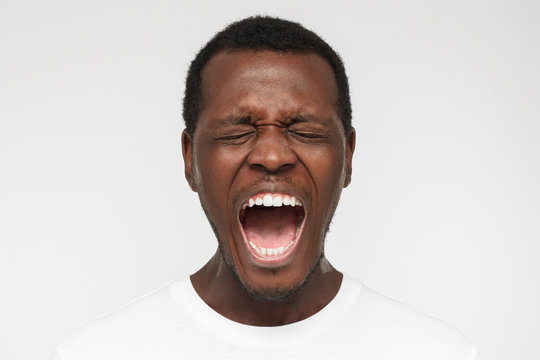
(269, 125)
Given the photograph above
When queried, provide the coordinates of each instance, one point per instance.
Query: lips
(271, 225)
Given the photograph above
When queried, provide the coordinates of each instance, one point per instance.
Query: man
(268, 147)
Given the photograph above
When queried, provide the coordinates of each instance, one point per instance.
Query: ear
(349, 150)
(187, 153)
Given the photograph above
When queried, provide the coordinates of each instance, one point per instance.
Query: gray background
(443, 212)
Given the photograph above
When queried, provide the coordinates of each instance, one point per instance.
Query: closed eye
(233, 137)
(307, 136)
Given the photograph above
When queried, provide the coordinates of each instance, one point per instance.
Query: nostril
(258, 166)
(272, 168)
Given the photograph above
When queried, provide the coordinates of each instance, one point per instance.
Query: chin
(275, 295)
(279, 288)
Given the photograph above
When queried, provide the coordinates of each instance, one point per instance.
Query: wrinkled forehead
(245, 73)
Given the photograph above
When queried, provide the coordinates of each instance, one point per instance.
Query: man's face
(269, 132)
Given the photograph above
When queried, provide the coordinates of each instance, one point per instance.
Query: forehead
(292, 79)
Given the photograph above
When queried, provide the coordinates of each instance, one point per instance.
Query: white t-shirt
(174, 323)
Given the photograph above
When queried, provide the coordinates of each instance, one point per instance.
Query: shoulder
(120, 333)
(391, 324)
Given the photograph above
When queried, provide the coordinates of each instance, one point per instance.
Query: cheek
(216, 172)
(327, 167)
(216, 169)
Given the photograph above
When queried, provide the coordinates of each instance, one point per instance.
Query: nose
(272, 152)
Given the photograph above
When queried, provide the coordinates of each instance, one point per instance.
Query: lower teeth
(280, 250)
(271, 252)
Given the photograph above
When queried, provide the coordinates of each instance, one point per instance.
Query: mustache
(266, 181)
(271, 179)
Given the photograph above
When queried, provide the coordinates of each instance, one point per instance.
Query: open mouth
(271, 226)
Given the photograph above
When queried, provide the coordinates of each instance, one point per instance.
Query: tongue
(270, 227)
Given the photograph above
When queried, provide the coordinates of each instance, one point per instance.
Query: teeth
(270, 252)
(267, 201)
(272, 200)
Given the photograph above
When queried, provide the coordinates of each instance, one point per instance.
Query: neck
(221, 290)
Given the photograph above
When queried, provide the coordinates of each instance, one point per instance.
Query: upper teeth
(271, 200)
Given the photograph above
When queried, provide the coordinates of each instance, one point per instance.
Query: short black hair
(260, 33)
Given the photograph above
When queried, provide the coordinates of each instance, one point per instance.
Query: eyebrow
(302, 118)
(308, 118)
(235, 119)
